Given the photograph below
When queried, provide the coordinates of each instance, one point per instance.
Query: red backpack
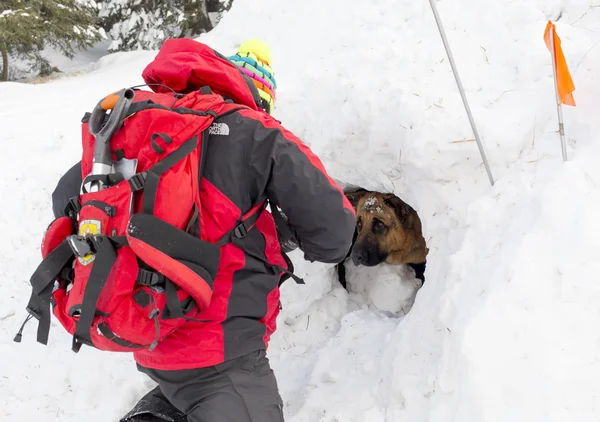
(124, 269)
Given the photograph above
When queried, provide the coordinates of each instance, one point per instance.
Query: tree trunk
(205, 20)
(4, 65)
(217, 6)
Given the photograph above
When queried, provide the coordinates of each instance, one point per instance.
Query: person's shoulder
(259, 116)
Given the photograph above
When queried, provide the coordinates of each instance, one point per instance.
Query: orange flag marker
(563, 77)
(563, 83)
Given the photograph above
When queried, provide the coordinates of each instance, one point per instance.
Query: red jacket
(251, 157)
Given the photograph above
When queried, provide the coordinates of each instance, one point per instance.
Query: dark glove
(287, 237)
(289, 245)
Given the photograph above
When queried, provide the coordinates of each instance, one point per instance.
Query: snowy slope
(504, 329)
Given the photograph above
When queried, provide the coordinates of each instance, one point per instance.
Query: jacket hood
(185, 65)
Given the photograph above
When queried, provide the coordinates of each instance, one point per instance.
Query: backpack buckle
(240, 231)
(73, 208)
(148, 278)
(137, 181)
(79, 245)
(83, 245)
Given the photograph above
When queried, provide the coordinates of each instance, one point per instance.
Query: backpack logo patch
(87, 228)
(218, 129)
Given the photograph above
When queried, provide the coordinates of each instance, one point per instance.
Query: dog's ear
(354, 196)
(401, 208)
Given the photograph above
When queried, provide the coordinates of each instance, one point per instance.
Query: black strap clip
(149, 278)
(240, 231)
(84, 245)
(137, 181)
(73, 207)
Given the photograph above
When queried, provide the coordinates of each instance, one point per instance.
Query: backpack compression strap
(239, 232)
(42, 283)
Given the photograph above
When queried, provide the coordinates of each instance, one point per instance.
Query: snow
(505, 326)
(371, 205)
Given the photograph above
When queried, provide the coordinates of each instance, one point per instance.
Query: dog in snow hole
(387, 230)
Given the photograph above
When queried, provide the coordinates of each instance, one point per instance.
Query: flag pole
(561, 126)
(460, 88)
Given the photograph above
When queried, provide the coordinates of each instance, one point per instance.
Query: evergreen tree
(26, 27)
(140, 25)
(218, 5)
(196, 19)
(146, 24)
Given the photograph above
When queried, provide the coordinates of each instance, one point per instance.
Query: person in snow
(218, 370)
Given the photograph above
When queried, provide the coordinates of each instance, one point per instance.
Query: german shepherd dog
(387, 230)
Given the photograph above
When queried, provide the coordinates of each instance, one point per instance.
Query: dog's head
(387, 230)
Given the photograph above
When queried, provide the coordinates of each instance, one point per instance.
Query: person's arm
(294, 179)
(68, 186)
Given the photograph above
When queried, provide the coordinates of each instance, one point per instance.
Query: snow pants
(240, 390)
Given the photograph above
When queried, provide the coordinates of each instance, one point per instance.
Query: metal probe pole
(461, 89)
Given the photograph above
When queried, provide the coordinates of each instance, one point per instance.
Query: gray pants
(240, 390)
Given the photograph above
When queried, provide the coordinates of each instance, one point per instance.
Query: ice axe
(118, 103)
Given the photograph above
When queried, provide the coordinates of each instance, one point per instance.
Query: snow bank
(504, 327)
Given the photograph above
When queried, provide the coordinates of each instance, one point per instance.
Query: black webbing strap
(148, 104)
(137, 181)
(72, 208)
(241, 230)
(166, 138)
(150, 278)
(143, 105)
(239, 243)
(42, 283)
(237, 234)
(203, 152)
(105, 259)
(107, 332)
(119, 241)
(195, 219)
(289, 273)
(153, 174)
(174, 305)
(51, 266)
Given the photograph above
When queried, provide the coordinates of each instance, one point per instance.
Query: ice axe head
(117, 103)
(103, 125)
(102, 129)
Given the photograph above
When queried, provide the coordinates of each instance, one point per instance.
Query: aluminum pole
(460, 88)
(561, 126)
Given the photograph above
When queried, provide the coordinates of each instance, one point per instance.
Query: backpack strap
(240, 231)
(152, 177)
(106, 257)
(289, 273)
(42, 283)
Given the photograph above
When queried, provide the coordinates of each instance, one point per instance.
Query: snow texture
(505, 327)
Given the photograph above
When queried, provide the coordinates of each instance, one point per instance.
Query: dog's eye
(359, 224)
(378, 226)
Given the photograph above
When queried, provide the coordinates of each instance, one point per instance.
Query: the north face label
(218, 129)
